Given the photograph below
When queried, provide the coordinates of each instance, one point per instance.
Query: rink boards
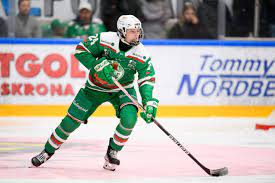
(194, 78)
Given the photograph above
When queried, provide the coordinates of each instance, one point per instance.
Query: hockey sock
(128, 119)
(61, 134)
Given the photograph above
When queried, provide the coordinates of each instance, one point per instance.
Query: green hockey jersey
(126, 64)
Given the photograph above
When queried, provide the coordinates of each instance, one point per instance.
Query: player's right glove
(104, 71)
(150, 110)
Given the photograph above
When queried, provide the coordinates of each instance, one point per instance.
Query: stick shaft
(161, 127)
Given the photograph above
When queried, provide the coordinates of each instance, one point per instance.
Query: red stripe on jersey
(106, 86)
(151, 80)
(129, 56)
(100, 80)
(121, 140)
(107, 46)
(55, 140)
(79, 47)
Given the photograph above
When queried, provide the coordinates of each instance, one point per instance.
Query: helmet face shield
(126, 22)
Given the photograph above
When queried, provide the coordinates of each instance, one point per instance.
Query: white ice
(239, 132)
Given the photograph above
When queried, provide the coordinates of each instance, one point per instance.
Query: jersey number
(93, 39)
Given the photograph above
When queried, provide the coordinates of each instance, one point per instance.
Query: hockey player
(109, 54)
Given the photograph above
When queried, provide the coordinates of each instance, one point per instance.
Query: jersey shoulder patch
(109, 40)
(139, 53)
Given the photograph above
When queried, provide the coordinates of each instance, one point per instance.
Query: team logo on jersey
(119, 71)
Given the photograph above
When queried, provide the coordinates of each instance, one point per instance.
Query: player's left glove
(150, 110)
(105, 71)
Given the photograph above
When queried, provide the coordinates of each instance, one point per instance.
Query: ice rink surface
(149, 155)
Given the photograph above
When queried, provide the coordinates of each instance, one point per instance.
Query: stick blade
(219, 172)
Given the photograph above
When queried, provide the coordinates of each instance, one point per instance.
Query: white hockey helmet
(125, 22)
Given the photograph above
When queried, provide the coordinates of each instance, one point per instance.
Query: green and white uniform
(91, 53)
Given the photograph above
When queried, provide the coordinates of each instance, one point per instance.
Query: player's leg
(127, 112)
(79, 111)
(128, 119)
(57, 138)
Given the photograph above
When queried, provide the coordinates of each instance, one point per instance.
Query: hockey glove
(150, 110)
(104, 71)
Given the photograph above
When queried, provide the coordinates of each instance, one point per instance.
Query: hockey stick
(214, 172)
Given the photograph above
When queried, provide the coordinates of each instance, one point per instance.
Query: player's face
(24, 7)
(132, 35)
